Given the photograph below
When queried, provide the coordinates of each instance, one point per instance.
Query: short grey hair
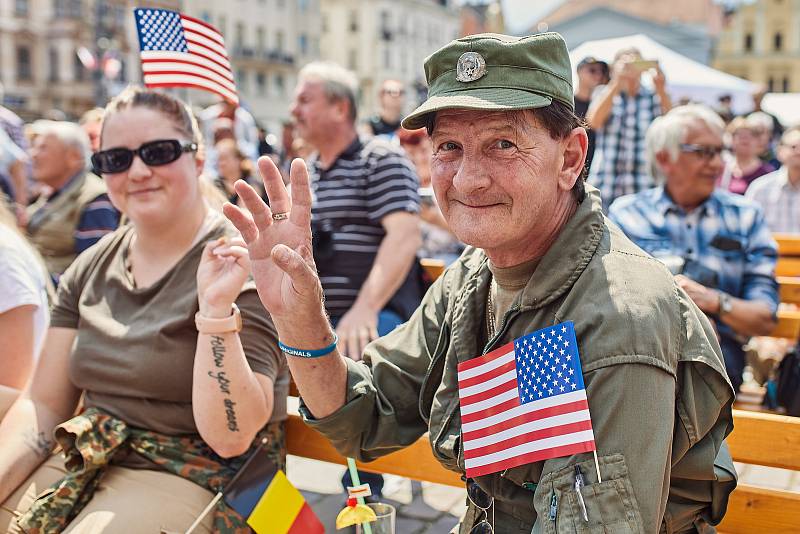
(68, 133)
(761, 120)
(338, 82)
(666, 133)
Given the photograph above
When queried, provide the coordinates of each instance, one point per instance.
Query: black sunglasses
(152, 153)
(480, 499)
(704, 151)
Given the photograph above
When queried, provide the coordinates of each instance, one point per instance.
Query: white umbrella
(686, 78)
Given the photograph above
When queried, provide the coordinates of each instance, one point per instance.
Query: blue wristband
(302, 353)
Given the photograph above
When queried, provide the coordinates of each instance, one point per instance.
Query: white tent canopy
(686, 78)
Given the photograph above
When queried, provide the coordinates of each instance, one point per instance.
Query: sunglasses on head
(152, 153)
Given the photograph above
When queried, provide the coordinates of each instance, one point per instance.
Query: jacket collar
(569, 255)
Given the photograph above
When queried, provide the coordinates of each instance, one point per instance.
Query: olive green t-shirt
(508, 282)
(135, 347)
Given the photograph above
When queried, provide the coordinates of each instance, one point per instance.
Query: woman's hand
(223, 270)
(278, 238)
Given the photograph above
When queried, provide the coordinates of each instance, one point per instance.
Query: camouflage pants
(91, 440)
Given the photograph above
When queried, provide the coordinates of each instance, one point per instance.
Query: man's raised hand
(278, 239)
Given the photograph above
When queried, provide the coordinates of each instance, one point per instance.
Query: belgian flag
(270, 504)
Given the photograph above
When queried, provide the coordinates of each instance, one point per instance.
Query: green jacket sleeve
(382, 413)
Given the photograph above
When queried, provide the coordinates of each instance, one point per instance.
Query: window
(260, 39)
(279, 41)
(21, 8)
(354, 21)
(78, 70)
(303, 4)
(771, 85)
(241, 80)
(52, 56)
(279, 84)
(75, 9)
(748, 42)
(778, 41)
(24, 71)
(222, 22)
(239, 35)
(59, 8)
(302, 43)
(205, 16)
(324, 23)
(261, 83)
(785, 85)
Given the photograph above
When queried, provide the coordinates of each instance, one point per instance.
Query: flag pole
(351, 465)
(597, 466)
(205, 511)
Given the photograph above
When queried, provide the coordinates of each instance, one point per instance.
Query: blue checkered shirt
(620, 164)
(724, 243)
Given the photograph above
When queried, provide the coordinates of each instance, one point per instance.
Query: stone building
(761, 42)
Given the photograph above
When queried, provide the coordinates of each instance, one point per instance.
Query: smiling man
(507, 173)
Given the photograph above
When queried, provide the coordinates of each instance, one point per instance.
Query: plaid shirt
(779, 199)
(724, 243)
(620, 165)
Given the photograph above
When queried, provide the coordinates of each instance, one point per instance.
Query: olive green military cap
(490, 71)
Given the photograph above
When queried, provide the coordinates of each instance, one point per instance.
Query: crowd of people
(141, 246)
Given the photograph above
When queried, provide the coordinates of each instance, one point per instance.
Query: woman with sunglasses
(148, 327)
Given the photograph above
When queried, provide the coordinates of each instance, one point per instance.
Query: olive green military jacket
(659, 398)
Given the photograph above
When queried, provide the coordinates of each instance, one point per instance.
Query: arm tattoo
(38, 442)
(223, 382)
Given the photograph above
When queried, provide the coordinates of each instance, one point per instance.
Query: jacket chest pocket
(610, 506)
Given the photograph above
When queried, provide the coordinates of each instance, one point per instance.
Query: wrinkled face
(590, 75)
(745, 142)
(150, 194)
(92, 129)
(228, 164)
(313, 112)
(692, 175)
(789, 150)
(495, 175)
(392, 97)
(420, 155)
(52, 160)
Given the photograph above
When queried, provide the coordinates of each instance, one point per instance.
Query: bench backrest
(758, 438)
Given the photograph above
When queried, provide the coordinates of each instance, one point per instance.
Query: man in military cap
(507, 173)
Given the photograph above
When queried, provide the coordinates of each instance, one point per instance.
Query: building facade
(268, 41)
(386, 39)
(59, 57)
(49, 52)
(761, 42)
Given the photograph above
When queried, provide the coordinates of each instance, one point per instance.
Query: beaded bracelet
(302, 353)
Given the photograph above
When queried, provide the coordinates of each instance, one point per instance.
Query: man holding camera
(620, 115)
(716, 243)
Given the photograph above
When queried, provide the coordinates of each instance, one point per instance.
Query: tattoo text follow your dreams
(218, 352)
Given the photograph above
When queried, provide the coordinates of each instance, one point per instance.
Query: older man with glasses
(716, 244)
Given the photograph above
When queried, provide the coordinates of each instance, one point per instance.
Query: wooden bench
(788, 254)
(758, 439)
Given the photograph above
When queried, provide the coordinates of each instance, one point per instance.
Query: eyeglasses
(394, 92)
(153, 153)
(480, 499)
(706, 152)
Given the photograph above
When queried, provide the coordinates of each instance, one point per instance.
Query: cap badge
(470, 67)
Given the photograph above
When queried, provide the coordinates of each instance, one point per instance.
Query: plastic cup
(384, 524)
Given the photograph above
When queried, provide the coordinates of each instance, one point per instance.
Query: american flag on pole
(524, 402)
(182, 51)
